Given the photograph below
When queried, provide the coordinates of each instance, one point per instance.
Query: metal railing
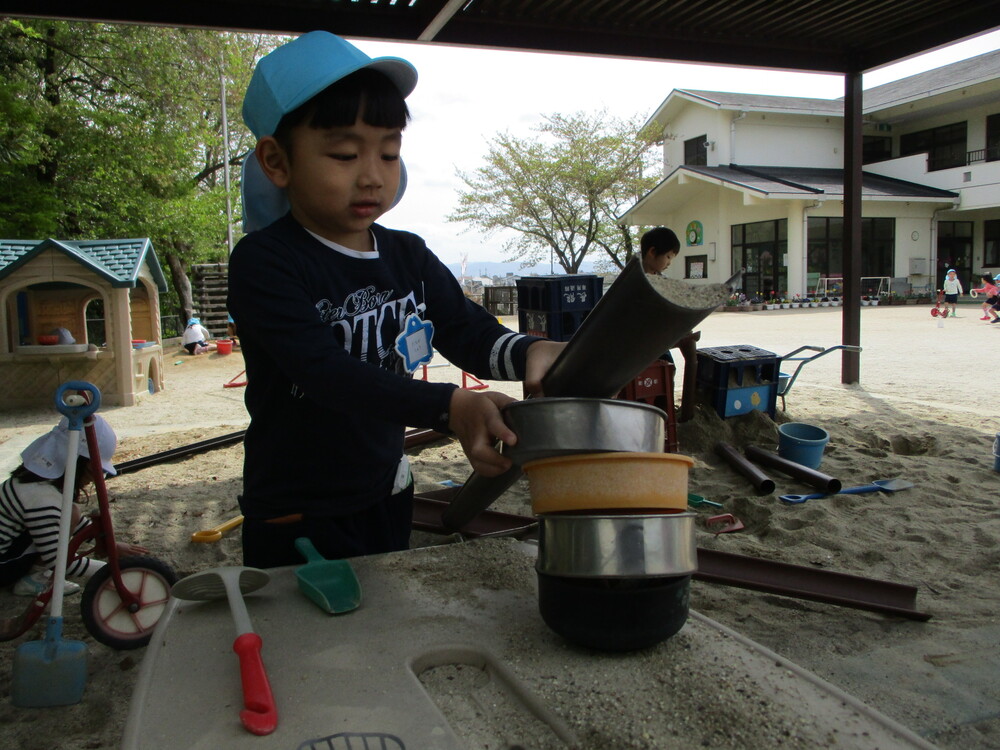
(953, 160)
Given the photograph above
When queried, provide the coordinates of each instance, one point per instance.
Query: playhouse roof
(118, 261)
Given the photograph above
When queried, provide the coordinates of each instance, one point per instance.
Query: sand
(924, 411)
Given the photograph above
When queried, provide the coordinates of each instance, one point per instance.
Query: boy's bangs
(367, 92)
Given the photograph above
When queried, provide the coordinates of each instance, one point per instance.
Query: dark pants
(383, 527)
(14, 564)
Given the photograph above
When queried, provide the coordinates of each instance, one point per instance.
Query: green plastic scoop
(331, 584)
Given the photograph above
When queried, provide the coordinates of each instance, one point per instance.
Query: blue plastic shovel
(53, 672)
(881, 485)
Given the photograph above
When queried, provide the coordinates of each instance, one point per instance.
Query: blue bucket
(802, 443)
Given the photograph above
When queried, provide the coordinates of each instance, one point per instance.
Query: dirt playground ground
(926, 410)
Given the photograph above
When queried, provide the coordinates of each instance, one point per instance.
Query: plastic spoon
(259, 714)
(215, 534)
(880, 485)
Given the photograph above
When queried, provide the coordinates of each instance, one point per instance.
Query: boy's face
(338, 180)
(658, 263)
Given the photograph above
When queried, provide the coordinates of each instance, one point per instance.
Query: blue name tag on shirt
(414, 343)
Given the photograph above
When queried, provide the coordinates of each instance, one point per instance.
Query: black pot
(614, 614)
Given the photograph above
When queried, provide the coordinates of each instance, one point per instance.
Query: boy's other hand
(541, 355)
(475, 418)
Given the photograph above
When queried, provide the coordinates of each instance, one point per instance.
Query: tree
(115, 131)
(561, 191)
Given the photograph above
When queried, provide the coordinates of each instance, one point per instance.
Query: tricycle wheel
(107, 618)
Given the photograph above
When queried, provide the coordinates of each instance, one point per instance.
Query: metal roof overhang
(837, 36)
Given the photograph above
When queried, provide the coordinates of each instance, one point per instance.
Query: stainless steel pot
(547, 427)
(616, 546)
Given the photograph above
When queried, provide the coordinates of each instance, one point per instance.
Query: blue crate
(738, 379)
(558, 326)
(559, 293)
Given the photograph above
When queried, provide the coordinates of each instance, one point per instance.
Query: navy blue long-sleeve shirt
(328, 395)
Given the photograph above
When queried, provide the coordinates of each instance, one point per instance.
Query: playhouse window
(96, 331)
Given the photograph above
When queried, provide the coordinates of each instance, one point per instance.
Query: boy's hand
(475, 418)
(541, 355)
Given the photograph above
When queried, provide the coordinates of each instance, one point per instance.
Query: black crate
(558, 326)
(738, 379)
(559, 293)
(500, 300)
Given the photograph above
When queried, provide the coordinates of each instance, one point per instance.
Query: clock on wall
(694, 234)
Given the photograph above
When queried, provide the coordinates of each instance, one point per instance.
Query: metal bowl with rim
(627, 545)
(563, 426)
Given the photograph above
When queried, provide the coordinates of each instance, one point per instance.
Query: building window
(945, 146)
(876, 148)
(759, 250)
(954, 249)
(696, 267)
(993, 138)
(826, 248)
(696, 151)
(991, 243)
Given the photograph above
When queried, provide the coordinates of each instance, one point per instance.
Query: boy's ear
(273, 161)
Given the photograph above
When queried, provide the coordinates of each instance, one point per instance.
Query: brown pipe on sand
(822, 482)
(761, 481)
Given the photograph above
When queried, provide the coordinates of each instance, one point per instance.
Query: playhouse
(103, 296)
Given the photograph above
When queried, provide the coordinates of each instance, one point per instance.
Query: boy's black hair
(987, 278)
(662, 240)
(366, 92)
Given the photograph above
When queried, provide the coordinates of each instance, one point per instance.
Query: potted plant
(796, 302)
(835, 301)
(865, 301)
(824, 302)
(785, 303)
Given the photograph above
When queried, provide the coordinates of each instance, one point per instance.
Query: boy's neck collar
(344, 250)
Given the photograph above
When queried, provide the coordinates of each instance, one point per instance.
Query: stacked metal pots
(616, 545)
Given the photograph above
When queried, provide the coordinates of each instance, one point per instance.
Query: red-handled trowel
(259, 714)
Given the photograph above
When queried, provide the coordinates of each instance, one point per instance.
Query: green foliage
(562, 190)
(116, 131)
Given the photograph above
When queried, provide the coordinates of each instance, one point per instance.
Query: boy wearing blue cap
(335, 313)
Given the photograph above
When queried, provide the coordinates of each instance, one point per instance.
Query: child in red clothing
(992, 297)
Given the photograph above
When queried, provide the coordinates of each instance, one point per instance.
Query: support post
(850, 370)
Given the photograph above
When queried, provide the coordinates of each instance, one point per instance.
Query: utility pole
(225, 155)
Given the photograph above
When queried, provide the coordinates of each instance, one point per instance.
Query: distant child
(31, 505)
(195, 338)
(989, 288)
(952, 289)
(336, 312)
(996, 305)
(658, 248)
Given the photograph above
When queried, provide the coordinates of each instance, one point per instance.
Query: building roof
(764, 102)
(957, 75)
(781, 183)
(965, 76)
(117, 261)
(839, 36)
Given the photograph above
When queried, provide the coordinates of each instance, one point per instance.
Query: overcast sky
(465, 96)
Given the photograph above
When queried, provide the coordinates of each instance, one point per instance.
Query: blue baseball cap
(194, 322)
(950, 270)
(284, 80)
